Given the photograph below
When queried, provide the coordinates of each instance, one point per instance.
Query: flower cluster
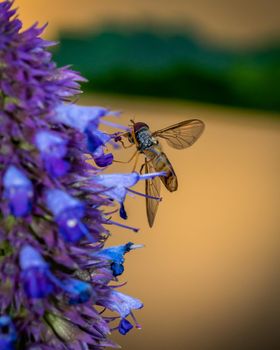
(55, 271)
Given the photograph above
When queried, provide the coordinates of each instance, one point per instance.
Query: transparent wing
(181, 135)
(162, 163)
(152, 189)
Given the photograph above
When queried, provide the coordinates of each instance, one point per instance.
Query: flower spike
(54, 269)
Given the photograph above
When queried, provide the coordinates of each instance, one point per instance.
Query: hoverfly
(179, 136)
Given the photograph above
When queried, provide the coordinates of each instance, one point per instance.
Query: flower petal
(29, 257)
(103, 160)
(78, 117)
(58, 201)
(121, 303)
(124, 326)
(52, 148)
(95, 138)
(115, 255)
(51, 143)
(117, 180)
(68, 212)
(18, 190)
(7, 333)
(79, 291)
(35, 273)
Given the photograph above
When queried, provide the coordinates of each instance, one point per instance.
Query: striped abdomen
(161, 163)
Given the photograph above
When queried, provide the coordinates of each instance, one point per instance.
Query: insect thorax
(145, 139)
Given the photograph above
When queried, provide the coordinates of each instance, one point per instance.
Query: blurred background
(209, 274)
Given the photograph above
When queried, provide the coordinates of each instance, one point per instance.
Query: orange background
(241, 22)
(209, 274)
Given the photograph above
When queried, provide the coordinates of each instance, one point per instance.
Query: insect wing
(181, 135)
(170, 180)
(152, 188)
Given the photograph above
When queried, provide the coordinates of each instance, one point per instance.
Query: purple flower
(124, 326)
(96, 138)
(86, 119)
(79, 117)
(68, 213)
(7, 333)
(117, 185)
(121, 303)
(53, 149)
(101, 159)
(35, 274)
(38, 281)
(79, 291)
(96, 141)
(18, 191)
(30, 81)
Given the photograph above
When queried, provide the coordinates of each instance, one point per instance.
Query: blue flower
(36, 276)
(79, 117)
(117, 185)
(115, 255)
(7, 333)
(124, 326)
(53, 149)
(79, 291)
(96, 141)
(101, 159)
(18, 190)
(86, 119)
(38, 281)
(95, 138)
(123, 213)
(121, 303)
(68, 212)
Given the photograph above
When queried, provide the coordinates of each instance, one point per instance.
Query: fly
(179, 136)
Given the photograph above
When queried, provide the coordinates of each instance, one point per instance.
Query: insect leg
(124, 134)
(136, 161)
(143, 165)
(125, 146)
(134, 137)
(141, 169)
(128, 161)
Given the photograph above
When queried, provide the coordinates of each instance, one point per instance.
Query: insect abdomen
(161, 163)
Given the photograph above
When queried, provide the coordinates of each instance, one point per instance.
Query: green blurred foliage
(166, 64)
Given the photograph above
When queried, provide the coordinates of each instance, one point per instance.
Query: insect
(179, 136)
